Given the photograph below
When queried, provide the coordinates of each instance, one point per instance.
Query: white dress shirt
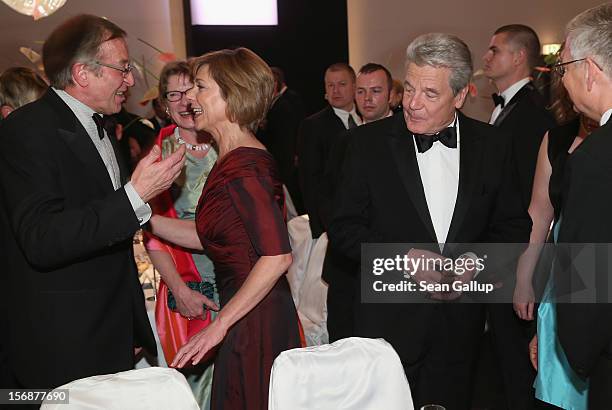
(508, 93)
(105, 148)
(344, 115)
(605, 117)
(439, 169)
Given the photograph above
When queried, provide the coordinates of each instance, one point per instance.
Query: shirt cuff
(142, 210)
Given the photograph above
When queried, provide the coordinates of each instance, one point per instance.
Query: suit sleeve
(510, 221)
(584, 328)
(330, 182)
(311, 169)
(50, 229)
(350, 226)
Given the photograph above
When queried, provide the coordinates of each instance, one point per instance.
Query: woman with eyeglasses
(556, 383)
(187, 297)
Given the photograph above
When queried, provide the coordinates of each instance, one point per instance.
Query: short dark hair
(76, 40)
(342, 67)
(523, 37)
(245, 81)
(19, 86)
(372, 67)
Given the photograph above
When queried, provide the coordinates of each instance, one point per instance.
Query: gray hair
(441, 50)
(589, 34)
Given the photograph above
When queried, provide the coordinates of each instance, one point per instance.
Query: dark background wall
(311, 35)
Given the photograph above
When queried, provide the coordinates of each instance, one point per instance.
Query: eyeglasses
(560, 69)
(174, 96)
(125, 71)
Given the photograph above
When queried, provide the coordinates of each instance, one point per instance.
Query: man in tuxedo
(68, 215)
(373, 86)
(372, 97)
(585, 330)
(514, 51)
(318, 133)
(279, 133)
(431, 175)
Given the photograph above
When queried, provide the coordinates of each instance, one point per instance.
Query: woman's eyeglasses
(174, 96)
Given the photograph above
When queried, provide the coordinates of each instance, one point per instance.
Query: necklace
(199, 147)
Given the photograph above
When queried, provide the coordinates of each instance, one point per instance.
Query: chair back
(152, 388)
(351, 374)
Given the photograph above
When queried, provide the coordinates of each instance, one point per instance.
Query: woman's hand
(523, 300)
(533, 351)
(200, 344)
(190, 303)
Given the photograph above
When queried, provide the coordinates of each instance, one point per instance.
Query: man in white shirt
(374, 84)
(514, 51)
(584, 329)
(68, 215)
(317, 135)
(430, 176)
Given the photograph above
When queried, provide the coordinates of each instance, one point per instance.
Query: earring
(167, 112)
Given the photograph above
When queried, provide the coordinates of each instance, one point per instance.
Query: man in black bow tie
(411, 179)
(513, 52)
(68, 214)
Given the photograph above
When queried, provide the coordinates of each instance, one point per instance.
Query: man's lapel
(404, 155)
(510, 105)
(75, 136)
(470, 157)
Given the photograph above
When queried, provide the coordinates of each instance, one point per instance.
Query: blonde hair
(19, 86)
(246, 83)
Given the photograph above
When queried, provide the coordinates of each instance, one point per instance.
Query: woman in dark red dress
(240, 226)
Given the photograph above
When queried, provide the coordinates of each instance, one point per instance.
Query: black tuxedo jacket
(76, 307)
(317, 135)
(585, 330)
(526, 118)
(380, 199)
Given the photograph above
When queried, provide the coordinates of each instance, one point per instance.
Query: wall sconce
(35, 8)
(550, 49)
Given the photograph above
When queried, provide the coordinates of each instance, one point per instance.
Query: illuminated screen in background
(234, 13)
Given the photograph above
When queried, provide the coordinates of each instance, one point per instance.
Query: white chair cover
(351, 374)
(304, 276)
(150, 388)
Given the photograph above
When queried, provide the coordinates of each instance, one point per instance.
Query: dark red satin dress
(240, 218)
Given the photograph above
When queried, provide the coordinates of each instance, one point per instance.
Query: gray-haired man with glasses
(68, 214)
(585, 330)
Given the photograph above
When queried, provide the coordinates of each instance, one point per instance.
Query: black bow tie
(105, 122)
(498, 99)
(447, 136)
